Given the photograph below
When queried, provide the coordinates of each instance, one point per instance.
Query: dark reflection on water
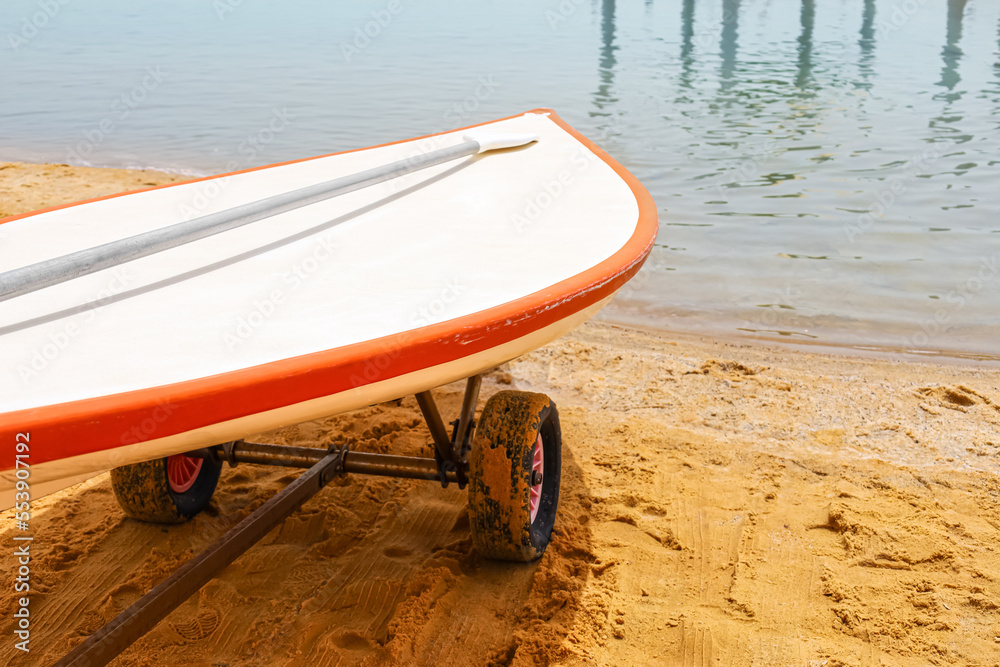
(687, 42)
(996, 82)
(951, 54)
(866, 46)
(807, 19)
(824, 170)
(728, 44)
(603, 98)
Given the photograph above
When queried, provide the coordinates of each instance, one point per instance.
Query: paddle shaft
(84, 262)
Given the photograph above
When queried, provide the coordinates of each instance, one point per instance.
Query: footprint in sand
(199, 627)
(954, 397)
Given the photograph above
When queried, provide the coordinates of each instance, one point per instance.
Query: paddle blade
(491, 141)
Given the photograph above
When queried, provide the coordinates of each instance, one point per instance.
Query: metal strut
(126, 628)
(451, 454)
(362, 463)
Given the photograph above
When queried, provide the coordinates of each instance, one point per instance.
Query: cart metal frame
(449, 465)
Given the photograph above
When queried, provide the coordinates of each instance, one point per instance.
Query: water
(825, 171)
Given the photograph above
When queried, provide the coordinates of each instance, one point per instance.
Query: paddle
(53, 271)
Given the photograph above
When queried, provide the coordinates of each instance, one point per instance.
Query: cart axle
(364, 463)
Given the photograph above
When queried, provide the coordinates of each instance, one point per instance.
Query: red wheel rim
(182, 471)
(537, 465)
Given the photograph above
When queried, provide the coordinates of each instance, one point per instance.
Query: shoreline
(879, 352)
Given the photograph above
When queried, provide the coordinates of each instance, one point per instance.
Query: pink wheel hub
(537, 470)
(182, 471)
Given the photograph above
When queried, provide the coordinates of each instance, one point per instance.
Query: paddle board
(383, 292)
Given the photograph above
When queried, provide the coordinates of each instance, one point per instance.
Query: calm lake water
(826, 171)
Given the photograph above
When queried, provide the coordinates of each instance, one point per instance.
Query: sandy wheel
(514, 475)
(170, 490)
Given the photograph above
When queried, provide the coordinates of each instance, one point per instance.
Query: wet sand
(722, 503)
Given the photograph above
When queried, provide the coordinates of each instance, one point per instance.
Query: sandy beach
(723, 503)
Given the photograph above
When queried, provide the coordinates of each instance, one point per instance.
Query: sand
(723, 503)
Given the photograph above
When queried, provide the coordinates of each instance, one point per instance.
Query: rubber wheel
(517, 438)
(169, 490)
